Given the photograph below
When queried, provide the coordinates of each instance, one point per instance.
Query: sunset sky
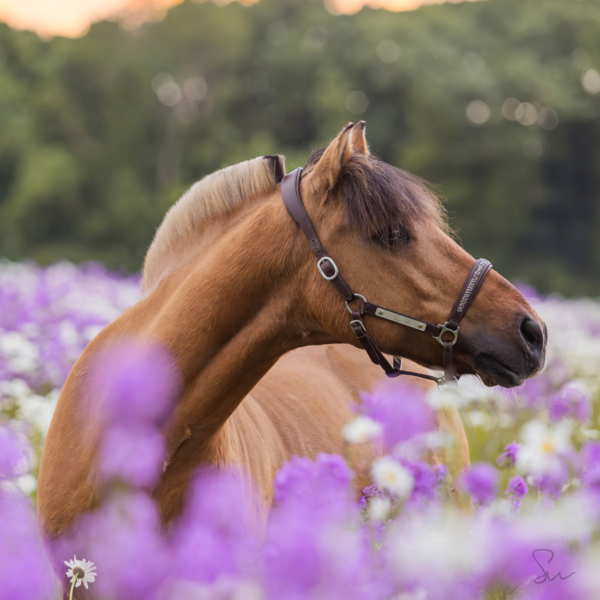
(73, 17)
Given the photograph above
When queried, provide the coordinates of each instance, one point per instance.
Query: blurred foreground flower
(480, 482)
(361, 430)
(401, 409)
(392, 476)
(544, 447)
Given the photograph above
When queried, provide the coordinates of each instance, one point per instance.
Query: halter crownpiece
(290, 192)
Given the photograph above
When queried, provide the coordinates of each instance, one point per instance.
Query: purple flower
(401, 408)
(591, 464)
(509, 457)
(135, 382)
(441, 472)
(13, 453)
(372, 491)
(217, 535)
(480, 482)
(518, 488)
(572, 400)
(135, 455)
(124, 539)
(550, 484)
(25, 572)
(317, 481)
(426, 482)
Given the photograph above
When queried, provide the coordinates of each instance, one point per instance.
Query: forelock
(378, 196)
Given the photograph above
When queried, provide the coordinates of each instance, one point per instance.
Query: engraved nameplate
(396, 318)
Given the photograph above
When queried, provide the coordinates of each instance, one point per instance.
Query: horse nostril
(532, 333)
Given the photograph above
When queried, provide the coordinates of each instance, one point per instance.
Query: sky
(73, 17)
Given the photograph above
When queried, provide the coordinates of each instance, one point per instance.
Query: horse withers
(230, 285)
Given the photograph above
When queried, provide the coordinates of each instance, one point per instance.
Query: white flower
(362, 429)
(379, 508)
(392, 476)
(21, 354)
(81, 571)
(543, 447)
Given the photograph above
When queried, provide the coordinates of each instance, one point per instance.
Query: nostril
(532, 333)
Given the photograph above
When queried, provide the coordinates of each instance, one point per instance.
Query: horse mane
(213, 195)
(378, 197)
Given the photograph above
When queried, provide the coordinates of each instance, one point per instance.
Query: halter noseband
(290, 192)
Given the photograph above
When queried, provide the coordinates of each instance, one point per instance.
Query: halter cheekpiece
(446, 334)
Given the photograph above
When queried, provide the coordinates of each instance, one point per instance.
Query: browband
(290, 192)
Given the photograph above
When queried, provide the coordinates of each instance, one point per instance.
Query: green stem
(72, 586)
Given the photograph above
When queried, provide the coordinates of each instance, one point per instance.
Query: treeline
(496, 102)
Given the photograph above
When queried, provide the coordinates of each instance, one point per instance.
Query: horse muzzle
(508, 360)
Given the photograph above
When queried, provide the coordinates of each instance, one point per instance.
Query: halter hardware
(336, 271)
(358, 323)
(446, 329)
(356, 296)
(290, 193)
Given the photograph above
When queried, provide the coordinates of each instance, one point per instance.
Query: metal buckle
(360, 324)
(444, 330)
(356, 296)
(336, 271)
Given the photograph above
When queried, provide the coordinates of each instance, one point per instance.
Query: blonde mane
(213, 195)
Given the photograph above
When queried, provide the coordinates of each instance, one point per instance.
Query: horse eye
(393, 237)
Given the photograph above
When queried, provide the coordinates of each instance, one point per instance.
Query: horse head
(387, 233)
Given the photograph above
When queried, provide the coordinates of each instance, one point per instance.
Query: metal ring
(356, 296)
(335, 269)
(446, 329)
(360, 324)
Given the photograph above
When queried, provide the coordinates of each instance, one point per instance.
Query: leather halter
(446, 335)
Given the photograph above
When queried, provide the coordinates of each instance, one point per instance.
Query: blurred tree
(496, 102)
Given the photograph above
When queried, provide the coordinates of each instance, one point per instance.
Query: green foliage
(90, 158)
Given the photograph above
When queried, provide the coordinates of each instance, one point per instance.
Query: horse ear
(359, 141)
(336, 155)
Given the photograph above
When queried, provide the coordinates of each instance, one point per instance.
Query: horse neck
(228, 314)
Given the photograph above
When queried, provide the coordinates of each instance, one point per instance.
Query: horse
(230, 286)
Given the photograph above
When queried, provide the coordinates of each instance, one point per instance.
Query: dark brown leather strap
(470, 289)
(377, 357)
(290, 192)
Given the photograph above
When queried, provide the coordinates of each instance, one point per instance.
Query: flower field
(534, 483)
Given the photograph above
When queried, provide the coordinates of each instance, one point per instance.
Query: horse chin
(493, 372)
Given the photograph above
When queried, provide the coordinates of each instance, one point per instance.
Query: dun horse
(230, 285)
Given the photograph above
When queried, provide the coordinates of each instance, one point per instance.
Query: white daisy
(392, 476)
(361, 430)
(543, 447)
(81, 571)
